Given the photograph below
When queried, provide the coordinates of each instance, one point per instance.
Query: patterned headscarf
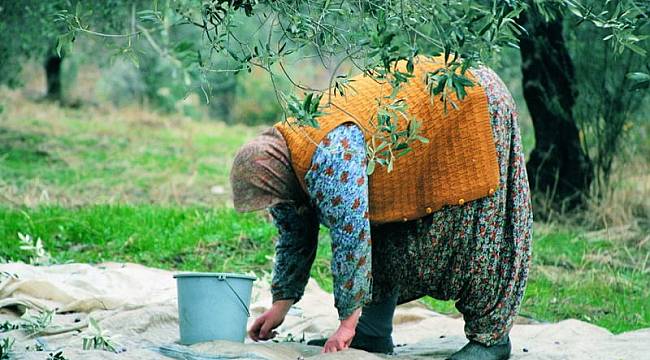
(262, 175)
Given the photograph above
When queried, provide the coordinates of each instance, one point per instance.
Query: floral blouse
(337, 185)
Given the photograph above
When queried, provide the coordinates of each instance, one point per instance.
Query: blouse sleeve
(338, 185)
(295, 250)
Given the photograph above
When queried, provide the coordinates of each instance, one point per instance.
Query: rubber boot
(477, 351)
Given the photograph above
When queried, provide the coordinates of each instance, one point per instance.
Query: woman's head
(262, 175)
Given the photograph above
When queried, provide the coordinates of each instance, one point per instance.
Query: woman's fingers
(254, 331)
(262, 328)
(265, 331)
(327, 347)
(334, 346)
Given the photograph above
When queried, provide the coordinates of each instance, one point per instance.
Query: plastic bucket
(213, 306)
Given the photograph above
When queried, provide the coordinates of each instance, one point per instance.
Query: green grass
(571, 277)
(595, 280)
(167, 237)
(130, 186)
(177, 238)
(76, 160)
(189, 239)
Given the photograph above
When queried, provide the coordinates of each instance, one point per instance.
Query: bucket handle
(243, 304)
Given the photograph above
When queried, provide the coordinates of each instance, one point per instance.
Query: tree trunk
(558, 168)
(53, 77)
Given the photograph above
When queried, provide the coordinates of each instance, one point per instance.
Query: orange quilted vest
(459, 164)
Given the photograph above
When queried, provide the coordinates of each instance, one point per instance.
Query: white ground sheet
(137, 306)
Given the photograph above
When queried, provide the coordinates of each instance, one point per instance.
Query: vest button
(429, 210)
(461, 201)
(491, 192)
(405, 219)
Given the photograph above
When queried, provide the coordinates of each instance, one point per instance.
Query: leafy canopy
(368, 36)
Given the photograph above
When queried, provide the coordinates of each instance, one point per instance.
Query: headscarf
(262, 175)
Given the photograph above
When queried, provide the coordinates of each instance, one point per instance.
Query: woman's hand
(262, 328)
(340, 340)
(343, 336)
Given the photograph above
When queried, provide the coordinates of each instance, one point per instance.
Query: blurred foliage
(368, 35)
(30, 31)
(610, 93)
(21, 41)
(371, 35)
(122, 84)
(186, 46)
(247, 98)
(69, 73)
(254, 102)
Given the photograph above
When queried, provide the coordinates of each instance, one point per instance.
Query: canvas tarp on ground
(137, 306)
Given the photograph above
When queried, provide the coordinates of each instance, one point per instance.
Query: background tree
(30, 31)
(557, 166)
(611, 88)
(38, 41)
(372, 37)
(579, 116)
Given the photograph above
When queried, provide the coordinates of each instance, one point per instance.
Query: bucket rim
(217, 275)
